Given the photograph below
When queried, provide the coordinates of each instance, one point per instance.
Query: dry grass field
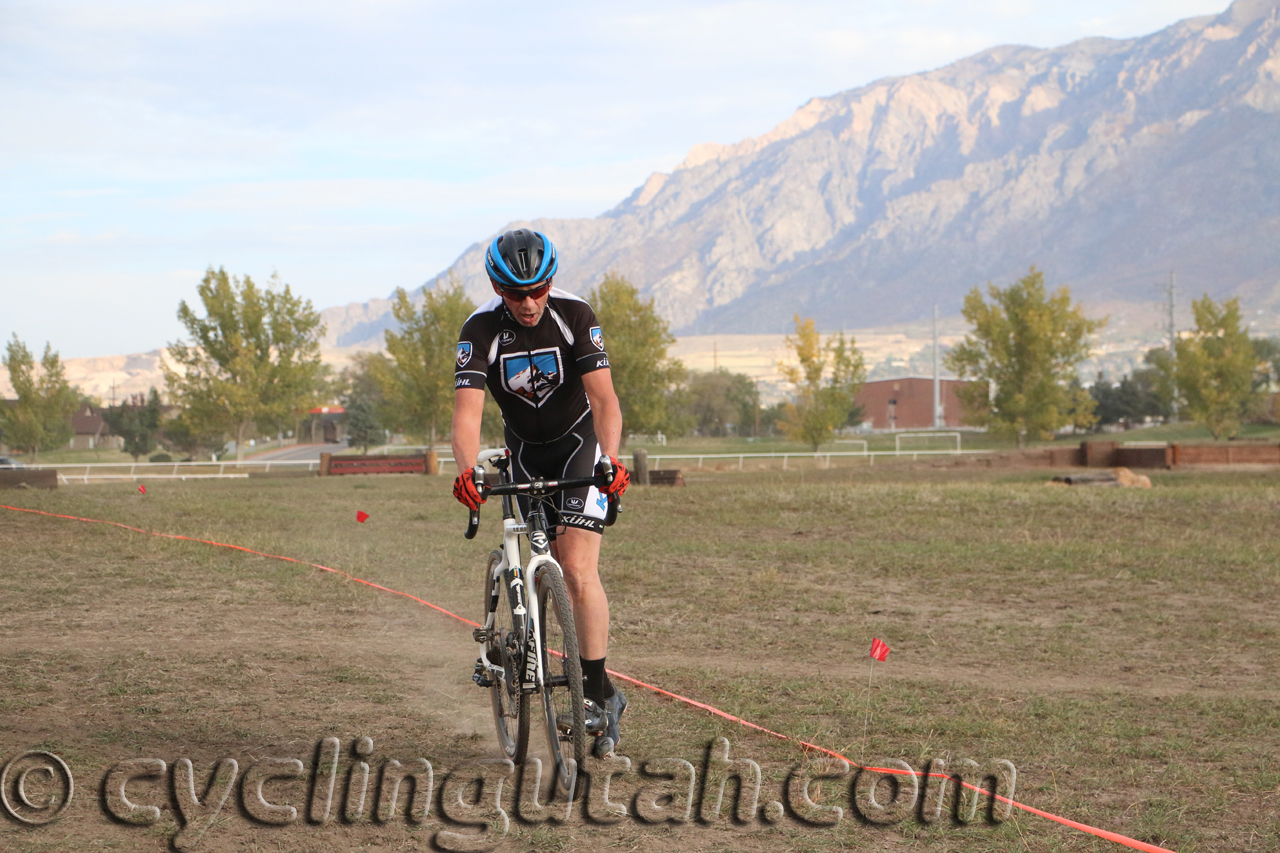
(1119, 647)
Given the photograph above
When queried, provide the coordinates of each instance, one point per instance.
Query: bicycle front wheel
(510, 705)
(562, 688)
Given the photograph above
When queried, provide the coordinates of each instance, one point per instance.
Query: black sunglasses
(519, 295)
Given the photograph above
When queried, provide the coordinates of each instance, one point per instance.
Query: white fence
(110, 471)
(86, 472)
(821, 458)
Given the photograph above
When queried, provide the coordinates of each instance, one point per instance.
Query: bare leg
(578, 552)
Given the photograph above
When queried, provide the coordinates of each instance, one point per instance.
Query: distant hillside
(1106, 163)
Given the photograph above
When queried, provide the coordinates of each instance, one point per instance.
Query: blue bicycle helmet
(520, 258)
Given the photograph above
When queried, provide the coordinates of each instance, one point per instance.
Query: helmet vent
(520, 258)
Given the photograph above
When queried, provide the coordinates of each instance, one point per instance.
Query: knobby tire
(561, 663)
(510, 707)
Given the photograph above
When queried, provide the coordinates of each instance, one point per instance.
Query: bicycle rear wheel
(510, 705)
(562, 689)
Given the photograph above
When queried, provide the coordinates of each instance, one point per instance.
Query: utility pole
(755, 433)
(937, 380)
(1173, 339)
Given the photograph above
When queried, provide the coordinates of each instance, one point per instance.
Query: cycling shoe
(595, 718)
(610, 737)
(601, 721)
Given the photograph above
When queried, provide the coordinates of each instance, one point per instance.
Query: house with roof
(89, 430)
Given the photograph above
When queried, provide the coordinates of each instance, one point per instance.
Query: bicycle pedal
(481, 635)
(482, 677)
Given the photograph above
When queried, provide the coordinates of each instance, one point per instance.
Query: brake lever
(604, 470)
(473, 519)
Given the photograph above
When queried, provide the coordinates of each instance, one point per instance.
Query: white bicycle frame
(512, 530)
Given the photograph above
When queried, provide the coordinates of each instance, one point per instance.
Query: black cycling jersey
(535, 373)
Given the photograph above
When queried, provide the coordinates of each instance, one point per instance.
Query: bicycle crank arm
(486, 674)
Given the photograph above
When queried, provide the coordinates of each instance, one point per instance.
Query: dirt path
(115, 647)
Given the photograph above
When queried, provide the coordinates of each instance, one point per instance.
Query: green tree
(1215, 367)
(492, 431)
(771, 417)
(417, 382)
(1131, 401)
(1026, 346)
(718, 402)
(361, 395)
(1160, 362)
(744, 396)
(1266, 408)
(363, 427)
(40, 419)
(826, 378)
(363, 380)
(636, 339)
(1267, 353)
(137, 422)
(254, 359)
(182, 436)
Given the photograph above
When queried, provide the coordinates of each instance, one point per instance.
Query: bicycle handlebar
(542, 488)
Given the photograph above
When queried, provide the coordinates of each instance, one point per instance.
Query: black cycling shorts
(571, 456)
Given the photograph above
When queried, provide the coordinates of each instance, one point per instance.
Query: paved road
(299, 453)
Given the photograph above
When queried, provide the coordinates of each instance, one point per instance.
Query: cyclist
(541, 353)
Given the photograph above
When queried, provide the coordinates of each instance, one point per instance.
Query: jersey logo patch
(532, 376)
(464, 353)
(506, 337)
(574, 503)
(597, 338)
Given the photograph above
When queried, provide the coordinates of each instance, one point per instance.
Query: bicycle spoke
(562, 687)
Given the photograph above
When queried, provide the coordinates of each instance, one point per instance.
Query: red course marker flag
(361, 516)
(879, 650)
(142, 489)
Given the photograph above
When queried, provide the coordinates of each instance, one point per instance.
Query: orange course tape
(1116, 837)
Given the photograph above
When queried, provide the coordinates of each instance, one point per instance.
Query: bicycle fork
(522, 645)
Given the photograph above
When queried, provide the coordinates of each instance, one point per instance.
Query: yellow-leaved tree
(1215, 367)
(826, 378)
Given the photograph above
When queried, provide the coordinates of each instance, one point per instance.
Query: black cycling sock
(596, 685)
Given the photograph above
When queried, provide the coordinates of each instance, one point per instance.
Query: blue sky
(357, 147)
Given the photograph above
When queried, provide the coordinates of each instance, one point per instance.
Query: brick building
(907, 403)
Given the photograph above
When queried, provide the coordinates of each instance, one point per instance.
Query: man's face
(527, 311)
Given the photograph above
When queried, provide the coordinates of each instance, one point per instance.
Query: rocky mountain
(1106, 163)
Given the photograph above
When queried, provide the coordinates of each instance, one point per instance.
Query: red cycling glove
(464, 490)
(621, 479)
